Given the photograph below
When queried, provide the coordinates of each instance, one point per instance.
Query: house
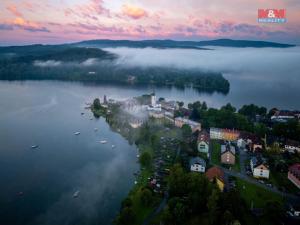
(283, 115)
(136, 123)
(156, 114)
(259, 167)
(228, 154)
(292, 146)
(250, 141)
(203, 142)
(224, 134)
(294, 174)
(179, 122)
(215, 174)
(197, 164)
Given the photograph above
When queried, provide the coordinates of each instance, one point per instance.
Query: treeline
(90, 64)
(249, 118)
(195, 200)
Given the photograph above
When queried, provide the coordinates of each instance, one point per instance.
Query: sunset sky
(60, 21)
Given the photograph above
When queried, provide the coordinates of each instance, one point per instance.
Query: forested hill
(202, 45)
(66, 62)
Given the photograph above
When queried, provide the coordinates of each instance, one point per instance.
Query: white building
(292, 146)
(179, 122)
(259, 168)
(241, 143)
(197, 164)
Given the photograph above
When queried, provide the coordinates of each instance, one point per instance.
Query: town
(258, 158)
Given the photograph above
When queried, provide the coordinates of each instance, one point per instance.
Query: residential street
(289, 197)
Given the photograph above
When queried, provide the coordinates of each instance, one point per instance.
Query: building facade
(228, 154)
(294, 174)
(224, 134)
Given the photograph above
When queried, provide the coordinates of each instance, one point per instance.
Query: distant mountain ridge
(104, 43)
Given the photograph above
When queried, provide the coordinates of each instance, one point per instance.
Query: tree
(227, 218)
(260, 130)
(177, 181)
(126, 217)
(229, 107)
(145, 159)
(212, 205)
(146, 197)
(180, 104)
(177, 210)
(186, 131)
(96, 104)
(204, 106)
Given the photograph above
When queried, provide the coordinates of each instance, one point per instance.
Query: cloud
(20, 23)
(13, 9)
(28, 25)
(48, 63)
(4, 26)
(90, 10)
(134, 12)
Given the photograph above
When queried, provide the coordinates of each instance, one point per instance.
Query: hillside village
(254, 163)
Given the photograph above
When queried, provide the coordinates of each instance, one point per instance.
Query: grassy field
(215, 153)
(258, 195)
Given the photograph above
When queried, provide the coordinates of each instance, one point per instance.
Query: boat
(82, 113)
(113, 146)
(95, 129)
(34, 146)
(77, 133)
(76, 194)
(103, 142)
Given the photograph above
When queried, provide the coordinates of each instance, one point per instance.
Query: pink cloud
(23, 24)
(134, 12)
(13, 9)
(90, 10)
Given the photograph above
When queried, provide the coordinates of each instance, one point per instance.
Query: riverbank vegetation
(38, 62)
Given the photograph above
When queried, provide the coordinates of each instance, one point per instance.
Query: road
(289, 197)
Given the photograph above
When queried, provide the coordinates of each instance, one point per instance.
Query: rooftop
(227, 148)
(197, 160)
(213, 172)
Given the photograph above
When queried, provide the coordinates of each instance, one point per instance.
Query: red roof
(203, 136)
(295, 169)
(215, 172)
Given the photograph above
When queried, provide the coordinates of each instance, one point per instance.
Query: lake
(37, 185)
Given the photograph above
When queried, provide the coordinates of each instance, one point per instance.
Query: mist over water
(265, 76)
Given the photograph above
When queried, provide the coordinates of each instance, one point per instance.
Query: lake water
(47, 113)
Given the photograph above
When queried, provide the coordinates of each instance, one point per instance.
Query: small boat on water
(95, 129)
(82, 113)
(103, 142)
(77, 133)
(34, 146)
(76, 194)
(113, 146)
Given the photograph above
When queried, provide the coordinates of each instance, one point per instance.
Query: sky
(65, 21)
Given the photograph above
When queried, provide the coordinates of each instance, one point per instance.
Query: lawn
(237, 167)
(215, 153)
(258, 195)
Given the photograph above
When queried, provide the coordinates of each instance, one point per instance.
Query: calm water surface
(47, 113)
